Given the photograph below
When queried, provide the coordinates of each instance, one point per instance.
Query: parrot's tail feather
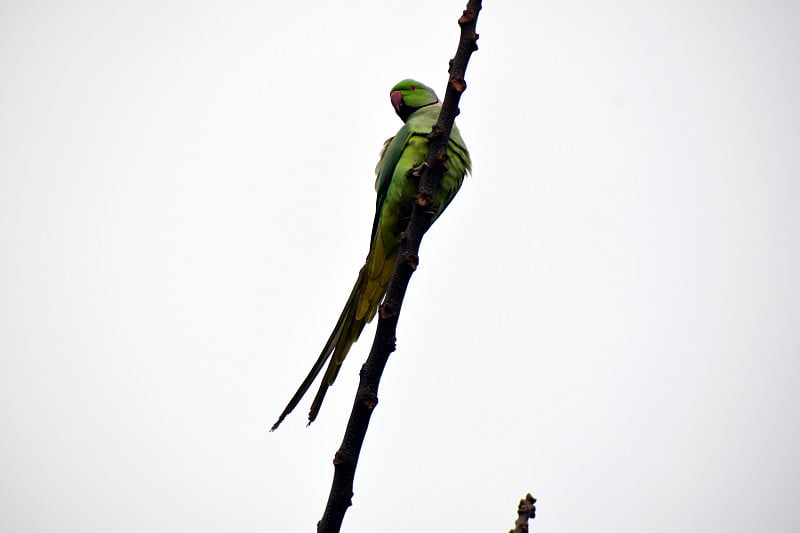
(344, 334)
(351, 330)
(317, 403)
(312, 375)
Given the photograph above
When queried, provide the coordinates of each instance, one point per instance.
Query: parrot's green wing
(384, 170)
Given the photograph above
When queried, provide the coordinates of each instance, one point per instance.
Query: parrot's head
(410, 95)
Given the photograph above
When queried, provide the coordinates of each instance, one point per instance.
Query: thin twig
(346, 457)
(525, 511)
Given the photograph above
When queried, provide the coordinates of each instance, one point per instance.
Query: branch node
(435, 133)
(412, 260)
(423, 199)
(466, 17)
(387, 310)
(459, 84)
(368, 399)
(340, 458)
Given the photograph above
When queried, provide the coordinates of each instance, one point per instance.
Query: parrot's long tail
(344, 334)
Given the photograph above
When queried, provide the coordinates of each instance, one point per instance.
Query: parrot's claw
(416, 171)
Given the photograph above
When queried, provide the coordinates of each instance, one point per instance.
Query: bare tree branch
(346, 457)
(526, 511)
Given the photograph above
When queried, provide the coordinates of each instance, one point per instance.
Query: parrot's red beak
(397, 99)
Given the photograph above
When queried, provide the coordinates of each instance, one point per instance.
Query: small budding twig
(346, 458)
(526, 511)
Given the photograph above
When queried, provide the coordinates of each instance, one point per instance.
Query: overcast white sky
(607, 315)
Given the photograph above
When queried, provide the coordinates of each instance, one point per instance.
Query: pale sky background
(607, 316)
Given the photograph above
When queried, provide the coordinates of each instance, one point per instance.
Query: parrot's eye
(413, 87)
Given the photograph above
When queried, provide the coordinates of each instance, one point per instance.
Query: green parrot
(418, 106)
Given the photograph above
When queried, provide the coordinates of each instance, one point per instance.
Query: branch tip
(526, 510)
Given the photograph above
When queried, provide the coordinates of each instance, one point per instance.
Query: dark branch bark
(525, 511)
(346, 457)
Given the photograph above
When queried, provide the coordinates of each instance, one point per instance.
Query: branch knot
(423, 199)
(369, 399)
(459, 84)
(412, 260)
(387, 310)
(466, 17)
(340, 458)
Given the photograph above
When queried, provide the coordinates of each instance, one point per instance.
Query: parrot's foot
(416, 171)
